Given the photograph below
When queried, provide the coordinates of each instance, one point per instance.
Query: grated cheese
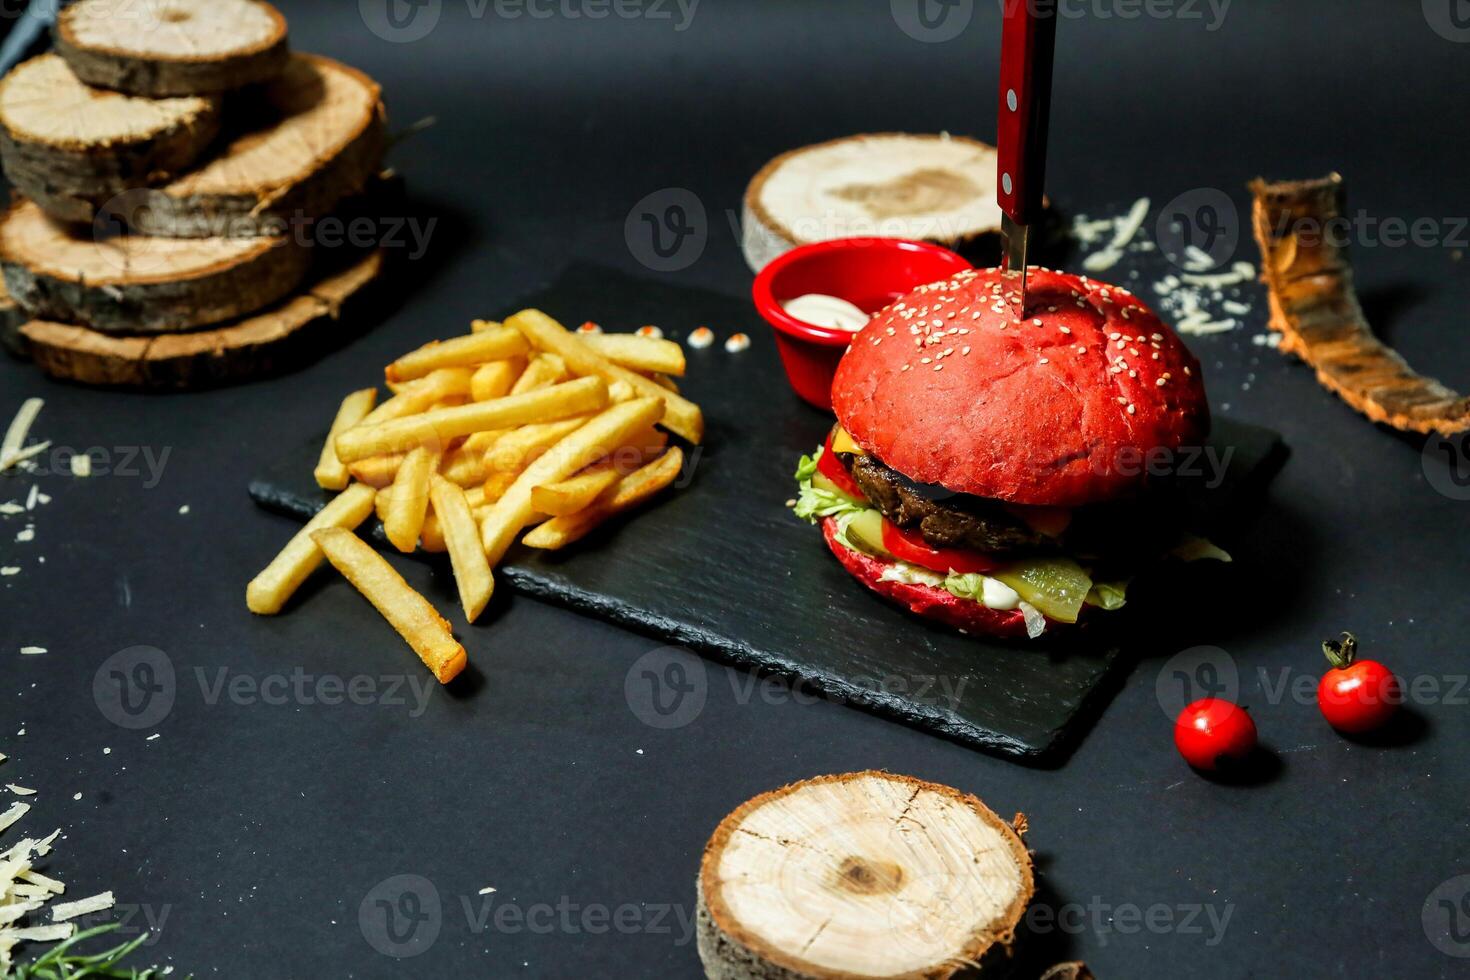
(32, 651)
(20, 790)
(20, 428)
(82, 906)
(1124, 229)
(81, 465)
(16, 811)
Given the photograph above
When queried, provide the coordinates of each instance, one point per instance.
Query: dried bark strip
(1315, 308)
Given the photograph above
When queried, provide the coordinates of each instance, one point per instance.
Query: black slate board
(721, 565)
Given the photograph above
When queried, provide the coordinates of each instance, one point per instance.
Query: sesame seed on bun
(951, 385)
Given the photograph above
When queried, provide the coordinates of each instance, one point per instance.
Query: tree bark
(136, 284)
(282, 338)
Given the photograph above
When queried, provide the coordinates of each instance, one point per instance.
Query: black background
(261, 828)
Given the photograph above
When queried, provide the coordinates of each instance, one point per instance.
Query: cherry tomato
(1210, 732)
(1355, 695)
(831, 467)
(911, 547)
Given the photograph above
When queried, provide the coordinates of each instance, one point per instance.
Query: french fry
(648, 355)
(466, 557)
(664, 381)
(542, 371)
(376, 471)
(416, 396)
(436, 427)
(408, 612)
(592, 441)
(681, 416)
(431, 538)
(408, 499)
(496, 485)
(331, 473)
(464, 465)
(632, 490)
(494, 380)
(520, 448)
(276, 583)
(462, 351)
(574, 493)
(479, 326)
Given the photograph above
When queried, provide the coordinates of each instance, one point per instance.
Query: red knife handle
(1027, 42)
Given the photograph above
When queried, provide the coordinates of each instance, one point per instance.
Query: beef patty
(945, 519)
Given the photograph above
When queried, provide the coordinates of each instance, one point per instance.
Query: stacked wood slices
(172, 164)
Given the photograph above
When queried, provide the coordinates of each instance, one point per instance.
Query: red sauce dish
(869, 273)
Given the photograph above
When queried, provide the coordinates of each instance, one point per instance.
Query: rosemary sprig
(60, 963)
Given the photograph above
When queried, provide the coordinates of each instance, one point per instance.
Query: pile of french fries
(514, 425)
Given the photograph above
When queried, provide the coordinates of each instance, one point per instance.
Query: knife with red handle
(1027, 42)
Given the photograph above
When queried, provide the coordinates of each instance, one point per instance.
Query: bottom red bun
(929, 601)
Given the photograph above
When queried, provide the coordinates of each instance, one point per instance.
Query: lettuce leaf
(1108, 595)
(813, 503)
(1195, 548)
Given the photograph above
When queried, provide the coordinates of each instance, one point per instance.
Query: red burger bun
(928, 601)
(949, 386)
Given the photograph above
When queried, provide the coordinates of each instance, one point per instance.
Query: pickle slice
(865, 530)
(1056, 586)
(822, 483)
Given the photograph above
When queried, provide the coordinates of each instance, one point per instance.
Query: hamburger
(1005, 474)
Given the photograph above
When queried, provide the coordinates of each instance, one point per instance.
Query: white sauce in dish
(821, 310)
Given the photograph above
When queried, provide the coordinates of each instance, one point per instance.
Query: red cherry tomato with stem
(1211, 733)
(1356, 696)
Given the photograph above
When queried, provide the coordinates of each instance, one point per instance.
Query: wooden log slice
(70, 147)
(278, 339)
(136, 284)
(11, 318)
(865, 874)
(316, 135)
(1314, 306)
(173, 47)
(890, 185)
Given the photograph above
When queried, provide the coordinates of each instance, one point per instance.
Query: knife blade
(1028, 41)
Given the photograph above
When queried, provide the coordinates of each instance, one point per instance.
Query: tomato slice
(911, 547)
(829, 466)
